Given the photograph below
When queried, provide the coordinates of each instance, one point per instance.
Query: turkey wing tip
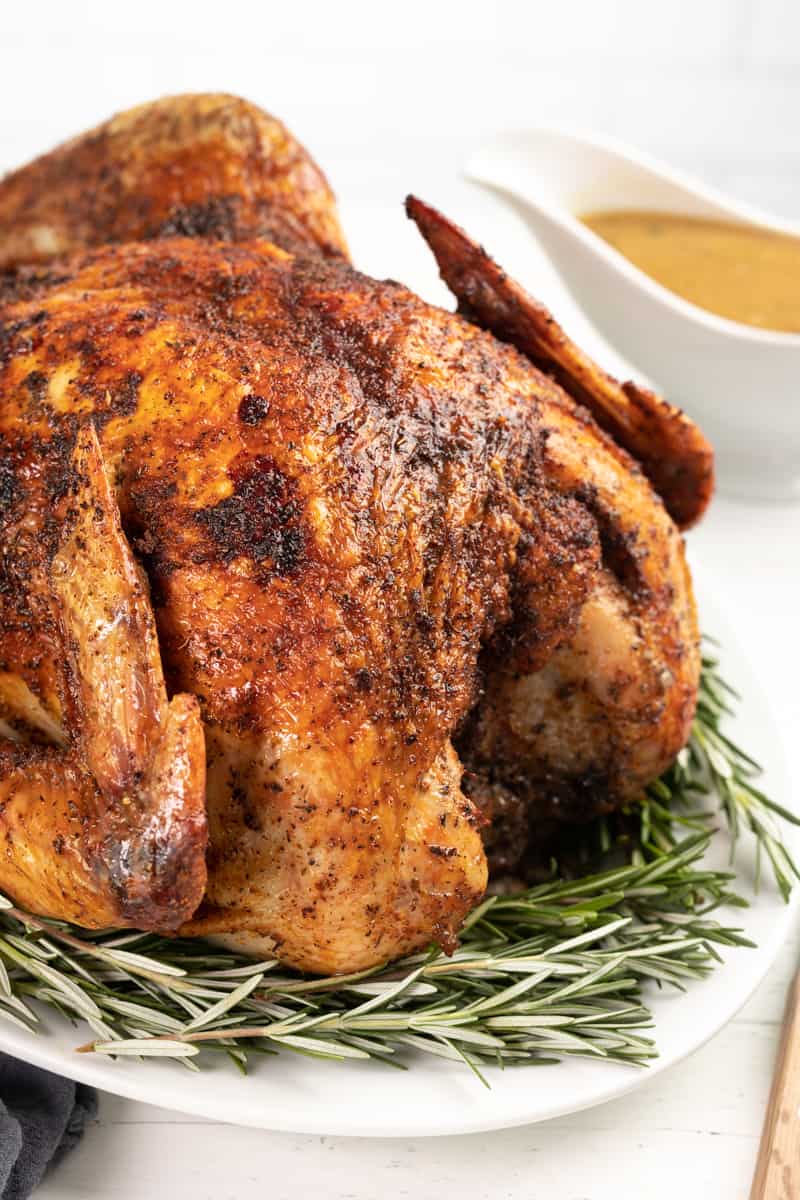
(674, 454)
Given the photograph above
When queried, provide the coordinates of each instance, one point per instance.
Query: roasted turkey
(276, 538)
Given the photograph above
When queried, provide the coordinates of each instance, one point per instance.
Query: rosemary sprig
(553, 971)
(711, 765)
(557, 970)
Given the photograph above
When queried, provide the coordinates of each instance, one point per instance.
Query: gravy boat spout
(740, 383)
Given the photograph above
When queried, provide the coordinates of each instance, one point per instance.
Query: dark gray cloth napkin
(41, 1118)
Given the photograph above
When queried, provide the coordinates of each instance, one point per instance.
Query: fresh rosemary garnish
(711, 765)
(552, 971)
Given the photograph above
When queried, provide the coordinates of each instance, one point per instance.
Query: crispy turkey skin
(209, 166)
(340, 528)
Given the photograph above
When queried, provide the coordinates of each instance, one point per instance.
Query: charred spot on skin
(117, 399)
(125, 400)
(23, 336)
(137, 322)
(8, 485)
(36, 386)
(259, 520)
(363, 680)
(20, 283)
(225, 287)
(149, 499)
(213, 218)
(250, 815)
(61, 479)
(253, 410)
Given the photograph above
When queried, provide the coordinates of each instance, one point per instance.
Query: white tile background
(389, 97)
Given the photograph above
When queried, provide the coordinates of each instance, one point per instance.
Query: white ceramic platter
(297, 1094)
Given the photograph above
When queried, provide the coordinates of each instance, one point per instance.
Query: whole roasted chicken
(283, 550)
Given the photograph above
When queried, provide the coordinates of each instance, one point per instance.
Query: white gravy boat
(741, 384)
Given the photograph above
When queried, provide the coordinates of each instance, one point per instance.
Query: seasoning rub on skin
(356, 514)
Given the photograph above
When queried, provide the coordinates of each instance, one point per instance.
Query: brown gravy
(746, 274)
